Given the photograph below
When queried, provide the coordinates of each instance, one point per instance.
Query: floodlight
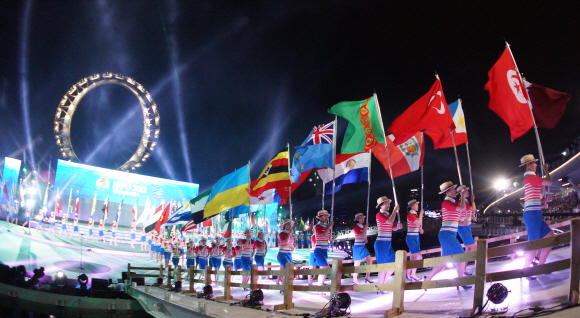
(501, 184)
(497, 293)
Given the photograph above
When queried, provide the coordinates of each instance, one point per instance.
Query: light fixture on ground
(83, 280)
(61, 279)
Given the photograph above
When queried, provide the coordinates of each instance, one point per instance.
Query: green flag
(364, 128)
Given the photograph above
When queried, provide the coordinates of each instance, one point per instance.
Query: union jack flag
(322, 134)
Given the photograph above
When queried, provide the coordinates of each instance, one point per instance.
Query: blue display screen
(10, 178)
(117, 184)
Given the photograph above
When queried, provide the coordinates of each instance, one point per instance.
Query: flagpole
(289, 188)
(388, 157)
(333, 167)
(422, 180)
(540, 150)
(456, 157)
(369, 185)
(323, 192)
(468, 158)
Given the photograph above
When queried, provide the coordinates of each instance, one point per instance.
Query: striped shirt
(238, 252)
(191, 251)
(450, 215)
(467, 214)
(322, 241)
(229, 253)
(217, 251)
(359, 234)
(247, 247)
(385, 228)
(260, 247)
(203, 251)
(312, 242)
(412, 226)
(285, 247)
(533, 194)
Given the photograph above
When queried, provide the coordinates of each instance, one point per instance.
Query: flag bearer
(216, 253)
(63, 226)
(248, 249)
(261, 250)
(133, 229)
(359, 250)
(90, 225)
(287, 244)
(323, 238)
(143, 239)
(383, 250)
(113, 233)
(414, 217)
(102, 231)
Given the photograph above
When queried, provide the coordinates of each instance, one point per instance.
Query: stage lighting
(497, 293)
(450, 265)
(256, 295)
(83, 280)
(501, 184)
(177, 288)
(341, 301)
(520, 253)
(61, 279)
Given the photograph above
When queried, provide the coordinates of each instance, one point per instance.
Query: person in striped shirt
(464, 228)
(323, 234)
(287, 244)
(360, 251)
(216, 252)
(414, 219)
(533, 203)
(261, 251)
(237, 256)
(312, 258)
(383, 250)
(203, 253)
(248, 250)
(448, 233)
(229, 253)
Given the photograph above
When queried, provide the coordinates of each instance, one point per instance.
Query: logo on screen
(103, 184)
(157, 192)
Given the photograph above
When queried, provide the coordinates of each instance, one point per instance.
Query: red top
(247, 247)
(359, 234)
(238, 252)
(385, 228)
(322, 240)
(533, 194)
(450, 215)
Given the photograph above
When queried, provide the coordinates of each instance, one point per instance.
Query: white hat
(527, 159)
(287, 221)
(462, 188)
(203, 238)
(357, 215)
(321, 213)
(410, 203)
(383, 199)
(445, 186)
(247, 230)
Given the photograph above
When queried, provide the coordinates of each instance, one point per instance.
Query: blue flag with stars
(314, 152)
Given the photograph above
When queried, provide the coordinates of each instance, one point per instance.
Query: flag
(302, 226)
(162, 218)
(58, 204)
(405, 158)
(227, 229)
(314, 152)
(77, 208)
(14, 194)
(507, 96)
(429, 114)
(45, 200)
(230, 191)
(134, 212)
(94, 206)
(118, 217)
(460, 131)
(308, 186)
(197, 204)
(145, 214)
(274, 176)
(364, 128)
(152, 221)
(207, 223)
(548, 105)
(5, 191)
(267, 197)
(106, 208)
(189, 226)
(181, 216)
(350, 168)
(70, 206)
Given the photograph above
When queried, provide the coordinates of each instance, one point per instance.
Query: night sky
(234, 81)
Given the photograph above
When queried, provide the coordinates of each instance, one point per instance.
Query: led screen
(10, 177)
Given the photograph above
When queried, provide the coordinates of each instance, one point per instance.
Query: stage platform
(34, 249)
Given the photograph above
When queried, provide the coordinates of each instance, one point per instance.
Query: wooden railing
(401, 264)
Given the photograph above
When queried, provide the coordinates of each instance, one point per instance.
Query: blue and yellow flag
(230, 191)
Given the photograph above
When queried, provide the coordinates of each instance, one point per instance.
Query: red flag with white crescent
(58, 204)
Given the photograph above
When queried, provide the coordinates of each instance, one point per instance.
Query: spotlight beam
(23, 68)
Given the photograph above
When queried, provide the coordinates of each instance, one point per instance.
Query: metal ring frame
(70, 101)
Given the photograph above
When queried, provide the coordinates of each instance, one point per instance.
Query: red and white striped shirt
(229, 253)
(285, 247)
(412, 226)
(260, 247)
(359, 234)
(312, 242)
(385, 228)
(203, 251)
(322, 241)
(238, 252)
(450, 212)
(247, 247)
(533, 192)
(191, 252)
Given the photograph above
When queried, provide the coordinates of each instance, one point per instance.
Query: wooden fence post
(207, 276)
(399, 292)
(227, 284)
(169, 269)
(512, 241)
(269, 268)
(160, 271)
(335, 277)
(191, 277)
(480, 270)
(288, 283)
(128, 273)
(254, 277)
(573, 294)
(178, 278)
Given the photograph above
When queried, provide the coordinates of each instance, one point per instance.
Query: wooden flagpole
(289, 188)
(369, 185)
(388, 156)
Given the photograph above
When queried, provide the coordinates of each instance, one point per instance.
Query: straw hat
(527, 159)
(357, 215)
(229, 239)
(261, 231)
(410, 203)
(445, 186)
(247, 230)
(287, 221)
(203, 239)
(381, 200)
(322, 212)
(462, 188)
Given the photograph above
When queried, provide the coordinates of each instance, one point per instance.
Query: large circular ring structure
(70, 101)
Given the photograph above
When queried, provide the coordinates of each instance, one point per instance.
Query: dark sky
(237, 80)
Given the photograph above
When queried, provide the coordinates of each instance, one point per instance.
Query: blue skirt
(535, 225)
(101, 233)
(76, 228)
(132, 236)
(160, 250)
(321, 256)
(312, 259)
(284, 258)
(238, 264)
(202, 263)
(63, 227)
(246, 263)
(167, 255)
(465, 234)
(143, 239)
(384, 252)
(175, 261)
(90, 231)
(51, 224)
(259, 260)
(228, 262)
(15, 215)
(359, 252)
(190, 262)
(215, 262)
(413, 244)
(149, 241)
(449, 243)
(113, 234)
(27, 219)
